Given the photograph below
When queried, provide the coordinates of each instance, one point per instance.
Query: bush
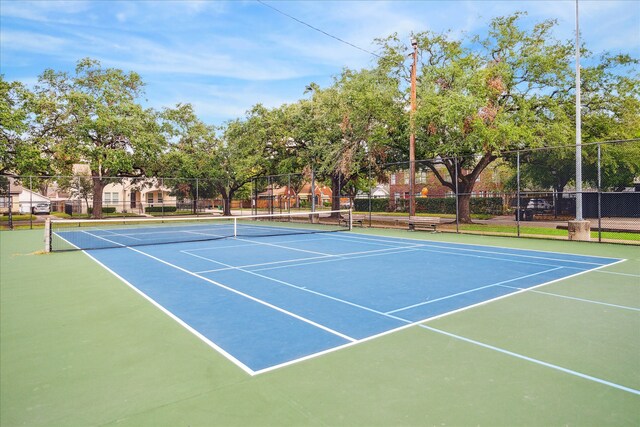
(435, 205)
(150, 209)
(487, 205)
(105, 210)
(377, 205)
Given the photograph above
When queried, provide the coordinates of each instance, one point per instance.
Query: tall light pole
(578, 126)
(578, 229)
(412, 137)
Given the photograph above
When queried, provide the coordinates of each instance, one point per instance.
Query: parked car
(41, 208)
(539, 205)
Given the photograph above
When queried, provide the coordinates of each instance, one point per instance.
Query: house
(28, 200)
(9, 195)
(124, 194)
(285, 197)
(489, 183)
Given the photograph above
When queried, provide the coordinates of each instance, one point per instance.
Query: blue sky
(224, 57)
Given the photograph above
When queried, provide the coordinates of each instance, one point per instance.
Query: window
(406, 178)
(396, 196)
(111, 198)
(160, 199)
(150, 198)
(393, 179)
(422, 177)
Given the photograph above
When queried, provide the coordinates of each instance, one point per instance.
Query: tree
(246, 152)
(610, 111)
(13, 123)
(191, 159)
(99, 122)
(347, 129)
(480, 96)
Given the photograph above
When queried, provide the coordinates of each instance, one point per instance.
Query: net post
(235, 227)
(47, 235)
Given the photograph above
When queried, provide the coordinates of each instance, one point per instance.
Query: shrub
(150, 209)
(105, 210)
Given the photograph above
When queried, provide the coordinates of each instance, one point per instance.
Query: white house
(28, 200)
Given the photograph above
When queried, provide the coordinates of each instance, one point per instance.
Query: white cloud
(25, 41)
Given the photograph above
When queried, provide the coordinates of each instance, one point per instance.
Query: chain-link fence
(26, 201)
(521, 193)
(528, 193)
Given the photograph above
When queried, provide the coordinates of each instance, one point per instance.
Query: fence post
(518, 213)
(313, 190)
(31, 203)
(455, 174)
(370, 194)
(599, 197)
(10, 199)
(289, 193)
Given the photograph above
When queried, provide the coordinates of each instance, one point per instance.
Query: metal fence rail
(525, 193)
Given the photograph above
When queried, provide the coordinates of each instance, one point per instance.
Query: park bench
(423, 222)
(355, 220)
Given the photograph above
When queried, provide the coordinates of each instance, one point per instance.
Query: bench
(423, 222)
(355, 219)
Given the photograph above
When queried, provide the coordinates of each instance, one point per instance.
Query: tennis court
(311, 306)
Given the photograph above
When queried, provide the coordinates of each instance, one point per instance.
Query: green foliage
(93, 117)
(486, 94)
(434, 205)
(16, 154)
(105, 209)
(377, 205)
(155, 209)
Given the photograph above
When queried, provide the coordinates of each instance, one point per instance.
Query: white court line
(431, 243)
(577, 299)
(473, 290)
(367, 254)
(618, 273)
(181, 322)
(391, 331)
(113, 233)
(102, 238)
(305, 289)
(423, 248)
(285, 247)
(235, 291)
(253, 243)
(289, 262)
(531, 359)
(231, 267)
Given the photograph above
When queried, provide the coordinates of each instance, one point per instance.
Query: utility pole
(412, 137)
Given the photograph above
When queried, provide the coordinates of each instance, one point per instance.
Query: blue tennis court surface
(270, 301)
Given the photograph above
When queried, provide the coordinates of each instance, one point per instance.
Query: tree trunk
(464, 211)
(98, 187)
(335, 194)
(226, 197)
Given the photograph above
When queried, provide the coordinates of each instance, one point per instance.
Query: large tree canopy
(99, 122)
(346, 131)
(482, 95)
(479, 96)
(191, 159)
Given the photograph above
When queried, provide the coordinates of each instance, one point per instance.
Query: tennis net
(64, 235)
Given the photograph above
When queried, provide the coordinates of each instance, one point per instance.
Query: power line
(317, 29)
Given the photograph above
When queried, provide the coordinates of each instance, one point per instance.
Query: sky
(226, 56)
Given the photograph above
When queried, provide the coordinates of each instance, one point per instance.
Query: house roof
(14, 187)
(305, 191)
